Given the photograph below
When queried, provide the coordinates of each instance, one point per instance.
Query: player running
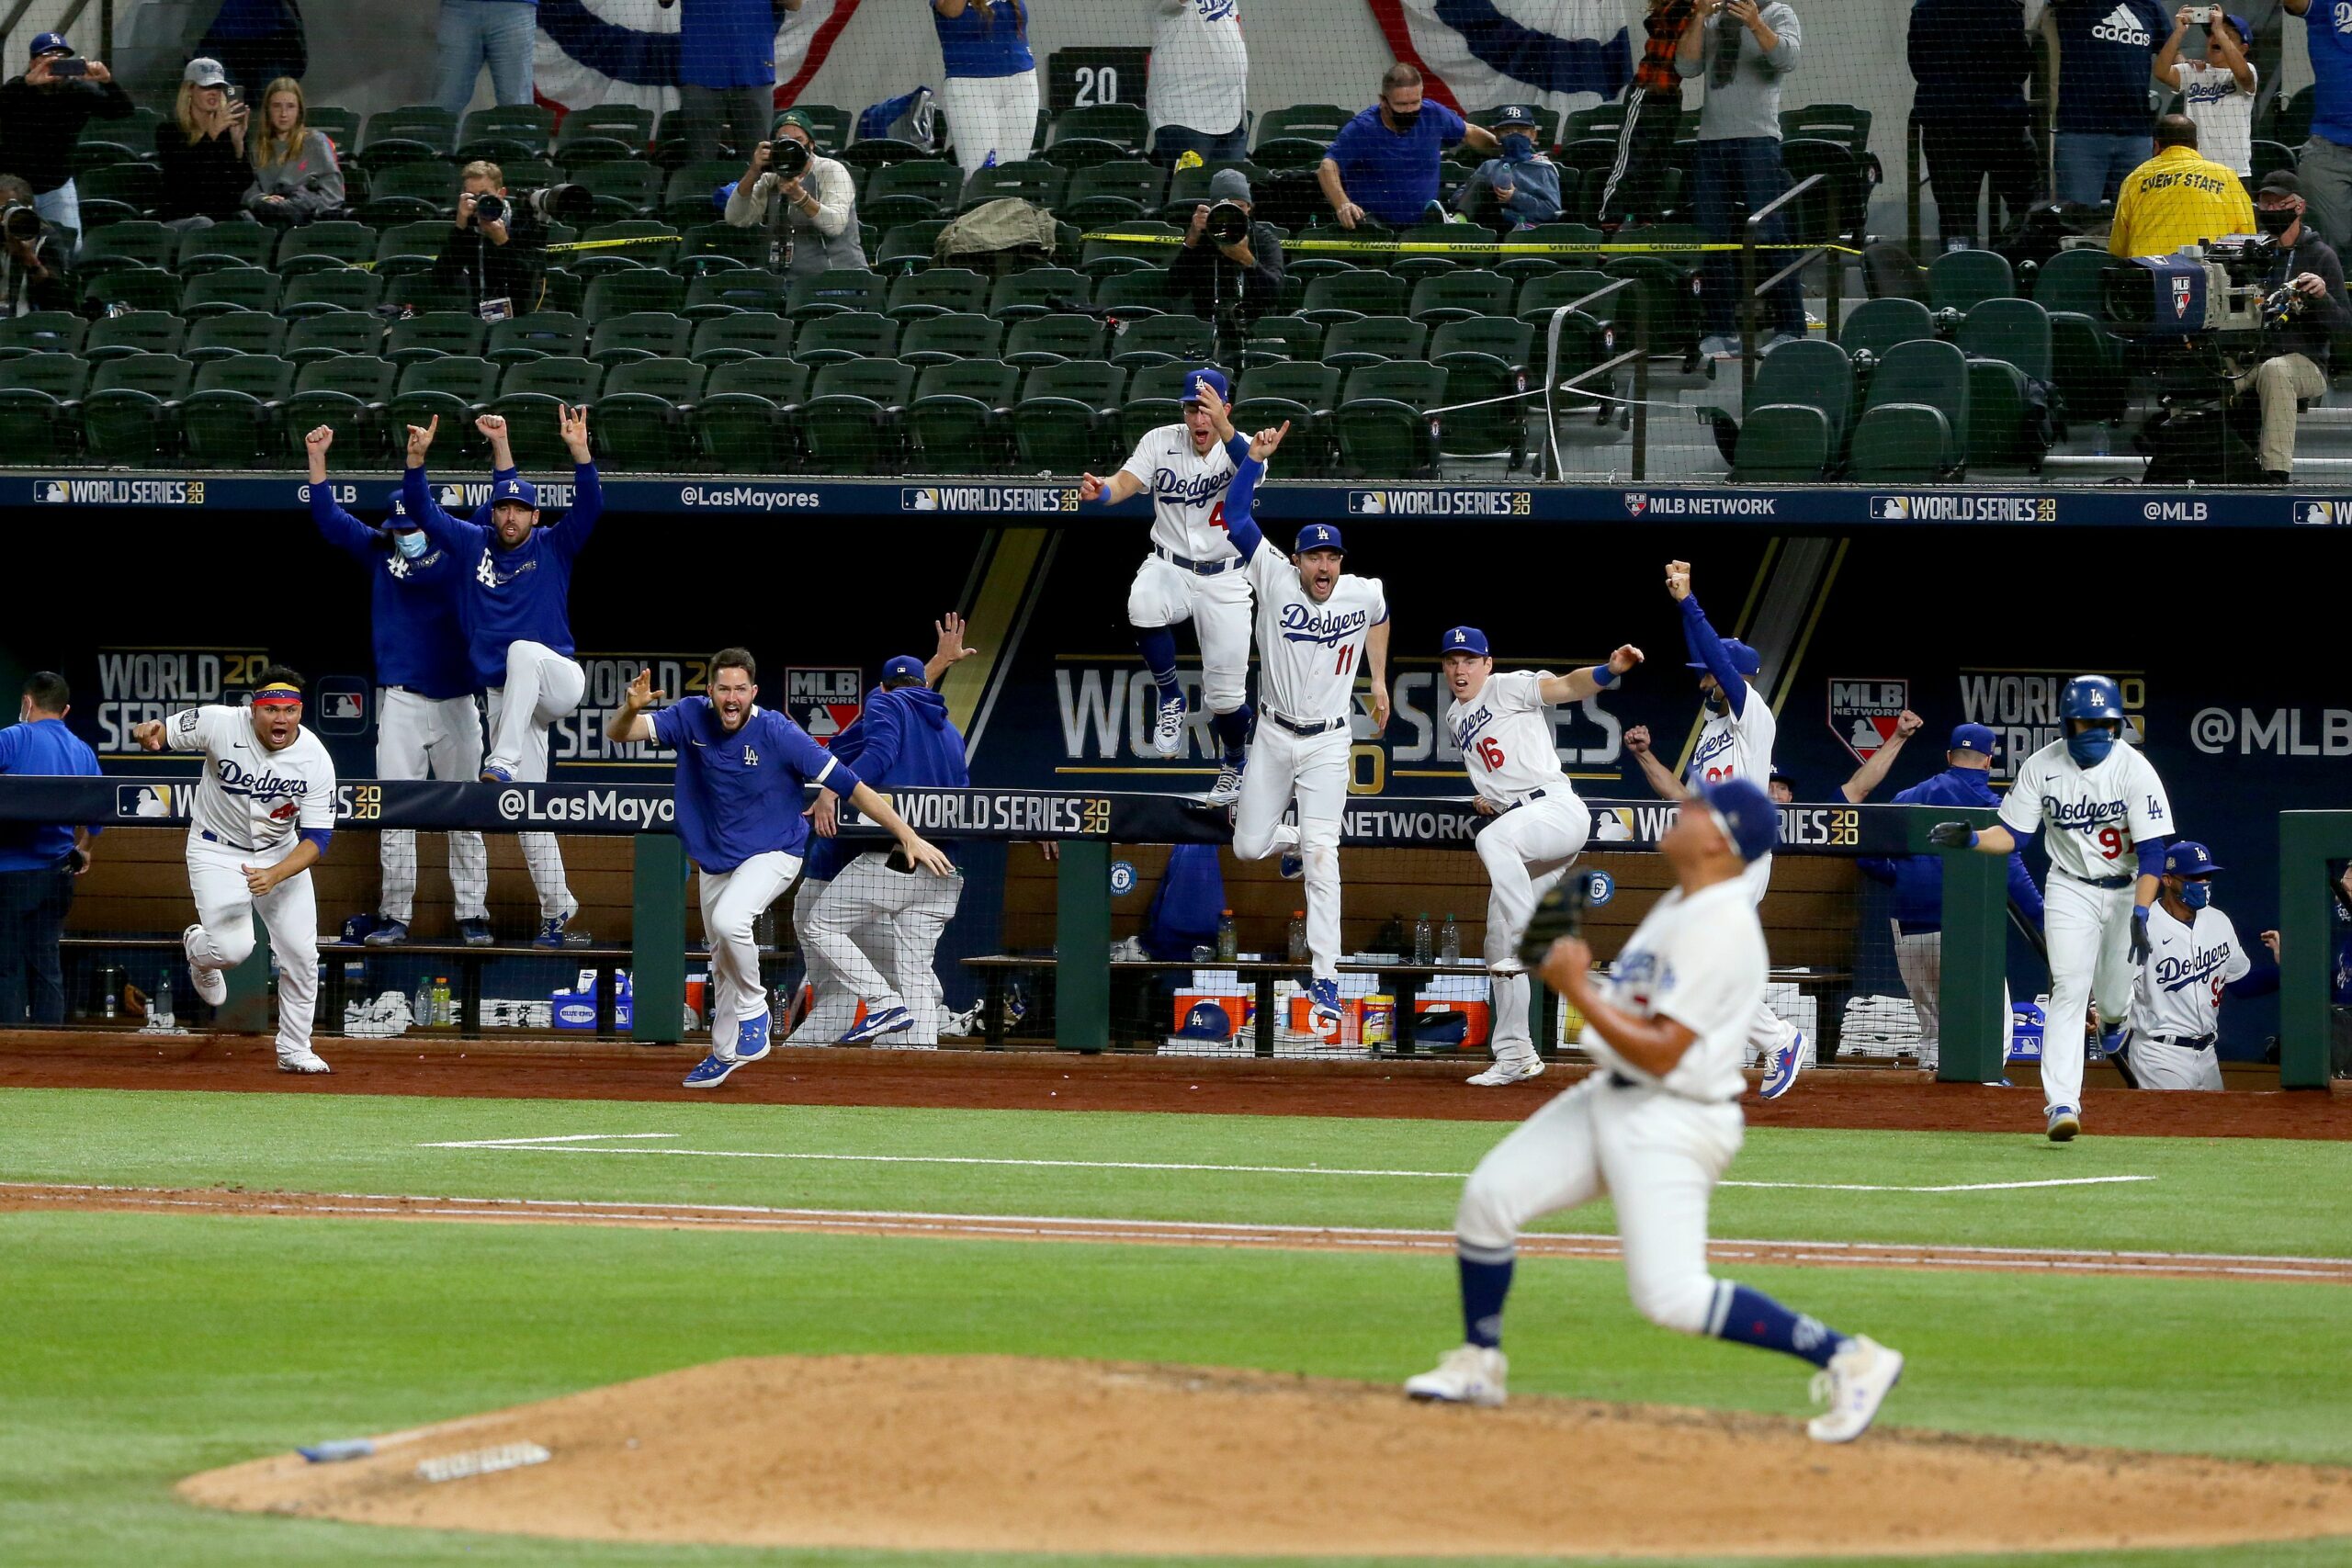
(1192, 573)
(518, 626)
(2109, 818)
(262, 813)
(1500, 725)
(740, 769)
(1654, 1126)
(1318, 625)
(2194, 959)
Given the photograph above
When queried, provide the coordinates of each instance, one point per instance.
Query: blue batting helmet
(2092, 697)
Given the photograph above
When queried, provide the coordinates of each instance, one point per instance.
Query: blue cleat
(751, 1039)
(1293, 867)
(476, 932)
(1323, 1008)
(555, 932)
(888, 1021)
(712, 1071)
(387, 933)
(492, 774)
(2065, 1122)
(1781, 1076)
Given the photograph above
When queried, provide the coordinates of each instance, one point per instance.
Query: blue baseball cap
(1974, 737)
(395, 510)
(49, 43)
(2245, 33)
(2187, 857)
(1748, 816)
(1207, 375)
(523, 490)
(1434, 1027)
(1207, 1020)
(1467, 640)
(1512, 114)
(906, 667)
(1744, 659)
(1319, 537)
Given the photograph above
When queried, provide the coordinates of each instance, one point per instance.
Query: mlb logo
(2321, 513)
(134, 801)
(919, 500)
(1863, 713)
(51, 491)
(823, 701)
(451, 498)
(1367, 502)
(342, 705)
(1636, 504)
(1892, 508)
(2182, 288)
(339, 705)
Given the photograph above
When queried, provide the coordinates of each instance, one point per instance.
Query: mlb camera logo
(1891, 507)
(919, 500)
(1636, 504)
(1367, 502)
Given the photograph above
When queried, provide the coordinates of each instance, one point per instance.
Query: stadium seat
(2000, 434)
(621, 189)
(120, 246)
(434, 333)
(1841, 123)
(907, 247)
(130, 136)
(837, 291)
(910, 191)
(834, 125)
(1040, 291)
(2070, 281)
(1344, 296)
(118, 193)
(1889, 271)
(1295, 138)
(618, 293)
(406, 248)
(604, 133)
(1900, 444)
(1285, 337)
(1151, 401)
(1834, 208)
(1118, 192)
(2017, 330)
(1488, 415)
(41, 331)
(1667, 295)
(743, 334)
(1302, 392)
(140, 332)
(857, 334)
(233, 333)
(230, 417)
(1151, 244)
(1133, 295)
(401, 135)
(960, 416)
(132, 288)
(1876, 325)
(719, 247)
(324, 246)
(1957, 280)
(454, 389)
(1383, 423)
(644, 423)
(1097, 134)
(1189, 188)
(1163, 339)
(333, 333)
(855, 419)
(1797, 412)
(231, 288)
(941, 291)
(341, 125)
(410, 192)
(1030, 180)
(749, 415)
(939, 340)
(658, 247)
(40, 406)
(531, 397)
(642, 334)
(347, 393)
(1455, 296)
(129, 413)
(1417, 265)
(541, 334)
(2086, 365)
(1523, 267)
(688, 191)
(745, 288)
(1066, 419)
(871, 154)
(506, 134)
(315, 292)
(1373, 340)
(1049, 339)
(1509, 344)
(1914, 418)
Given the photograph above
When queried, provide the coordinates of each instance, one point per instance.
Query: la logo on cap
(1462, 637)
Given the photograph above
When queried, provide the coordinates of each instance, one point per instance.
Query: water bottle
(442, 1018)
(1298, 936)
(420, 1008)
(1228, 943)
(159, 1007)
(1450, 944)
(1423, 948)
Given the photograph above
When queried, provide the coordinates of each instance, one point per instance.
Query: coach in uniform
(39, 861)
(2194, 959)
(2178, 198)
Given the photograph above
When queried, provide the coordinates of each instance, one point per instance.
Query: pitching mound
(1001, 1454)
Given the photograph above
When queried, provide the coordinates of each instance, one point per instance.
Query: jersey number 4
(1490, 753)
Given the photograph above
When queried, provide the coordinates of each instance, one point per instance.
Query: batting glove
(1952, 835)
(2141, 947)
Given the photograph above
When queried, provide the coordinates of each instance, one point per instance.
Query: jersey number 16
(1490, 753)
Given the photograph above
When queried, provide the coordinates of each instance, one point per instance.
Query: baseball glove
(1951, 835)
(1560, 914)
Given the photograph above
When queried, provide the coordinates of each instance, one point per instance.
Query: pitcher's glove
(1951, 835)
(1560, 914)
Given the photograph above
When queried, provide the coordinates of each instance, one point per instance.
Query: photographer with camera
(41, 115)
(807, 203)
(1519, 186)
(2178, 198)
(2305, 305)
(2218, 92)
(201, 150)
(1230, 265)
(496, 254)
(32, 256)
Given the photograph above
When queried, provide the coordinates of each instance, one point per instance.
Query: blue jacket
(1918, 880)
(996, 44)
(509, 596)
(44, 746)
(419, 641)
(903, 738)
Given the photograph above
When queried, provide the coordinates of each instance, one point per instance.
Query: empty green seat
(855, 419)
(1032, 180)
(1797, 413)
(1302, 392)
(960, 416)
(937, 291)
(744, 288)
(127, 245)
(1383, 423)
(939, 340)
(333, 333)
(1373, 340)
(604, 133)
(837, 290)
(1910, 377)
(719, 246)
(621, 188)
(740, 335)
(348, 288)
(42, 331)
(434, 333)
(620, 293)
(455, 389)
(1048, 340)
(134, 288)
(1900, 444)
(238, 243)
(748, 419)
(909, 191)
(2016, 330)
(643, 420)
(532, 397)
(1120, 191)
(1344, 296)
(642, 334)
(1090, 134)
(1295, 138)
(415, 130)
(1066, 419)
(1957, 280)
(234, 332)
(1156, 340)
(1143, 292)
(129, 413)
(229, 418)
(324, 246)
(1876, 325)
(860, 334)
(1038, 292)
(347, 393)
(1455, 296)
(40, 406)
(1144, 244)
(1285, 337)
(506, 132)
(140, 331)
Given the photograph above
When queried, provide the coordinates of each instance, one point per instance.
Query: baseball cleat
(712, 1070)
(1293, 867)
(392, 933)
(1780, 1072)
(1227, 788)
(2065, 1122)
(1509, 1069)
(1717, 346)
(476, 932)
(888, 1021)
(211, 986)
(492, 774)
(1323, 1012)
(751, 1039)
(1471, 1374)
(1853, 1385)
(1167, 730)
(302, 1062)
(555, 932)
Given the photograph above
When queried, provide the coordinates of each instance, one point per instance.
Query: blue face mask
(1517, 148)
(2197, 894)
(2089, 747)
(411, 542)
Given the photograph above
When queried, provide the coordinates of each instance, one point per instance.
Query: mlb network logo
(1636, 504)
(134, 801)
(2324, 513)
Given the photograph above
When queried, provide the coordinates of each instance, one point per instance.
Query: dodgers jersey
(2096, 817)
(1699, 961)
(1187, 490)
(1308, 654)
(1736, 746)
(2178, 991)
(249, 797)
(739, 794)
(1505, 735)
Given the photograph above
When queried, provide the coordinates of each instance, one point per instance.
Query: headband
(278, 692)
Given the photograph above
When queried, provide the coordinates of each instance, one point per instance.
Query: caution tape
(584, 245)
(1473, 247)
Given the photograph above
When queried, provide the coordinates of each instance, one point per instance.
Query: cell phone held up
(2199, 16)
(68, 67)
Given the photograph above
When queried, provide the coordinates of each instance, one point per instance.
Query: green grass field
(142, 1347)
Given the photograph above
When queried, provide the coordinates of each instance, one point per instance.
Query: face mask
(410, 542)
(1404, 118)
(2274, 221)
(1517, 148)
(2089, 748)
(2197, 894)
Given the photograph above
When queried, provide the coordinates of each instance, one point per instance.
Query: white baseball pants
(1164, 594)
(2160, 1066)
(1919, 959)
(731, 902)
(224, 912)
(1526, 850)
(990, 114)
(419, 738)
(1312, 769)
(1657, 1156)
(542, 686)
(1769, 1032)
(871, 935)
(2089, 933)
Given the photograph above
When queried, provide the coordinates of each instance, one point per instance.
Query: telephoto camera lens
(1227, 223)
(18, 222)
(489, 208)
(791, 159)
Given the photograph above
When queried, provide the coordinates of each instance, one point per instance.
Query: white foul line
(571, 1143)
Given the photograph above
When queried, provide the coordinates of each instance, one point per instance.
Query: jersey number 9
(2111, 842)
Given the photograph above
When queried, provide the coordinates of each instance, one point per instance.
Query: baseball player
(1736, 742)
(427, 725)
(1918, 882)
(1500, 724)
(740, 769)
(1318, 627)
(1192, 573)
(903, 736)
(2109, 818)
(518, 626)
(2194, 957)
(262, 813)
(1654, 1126)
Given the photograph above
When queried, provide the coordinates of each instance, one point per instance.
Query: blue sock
(1233, 730)
(1158, 646)
(1484, 1286)
(1751, 1318)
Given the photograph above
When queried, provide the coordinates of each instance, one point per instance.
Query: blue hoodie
(902, 740)
(1918, 880)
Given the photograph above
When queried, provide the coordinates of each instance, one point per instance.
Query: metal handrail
(1639, 355)
(1750, 288)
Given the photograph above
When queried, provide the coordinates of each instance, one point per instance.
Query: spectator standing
(1383, 164)
(989, 92)
(811, 220)
(2178, 198)
(1745, 49)
(2107, 52)
(2295, 348)
(39, 861)
(202, 150)
(1231, 283)
(1198, 93)
(1635, 189)
(41, 115)
(2217, 93)
(727, 73)
(257, 41)
(296, 178)
(1971, 61)
(499, 265)
(32, 270)
(1518, 185)
(2326, 164)
(471, 34)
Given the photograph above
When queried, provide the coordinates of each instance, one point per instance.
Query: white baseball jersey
(2179, 993)
(1187, 491)
(2096, 817)
(1309, 654)
(1736, 747)
(1699, 960)
(1505, 735)
(250, 798)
